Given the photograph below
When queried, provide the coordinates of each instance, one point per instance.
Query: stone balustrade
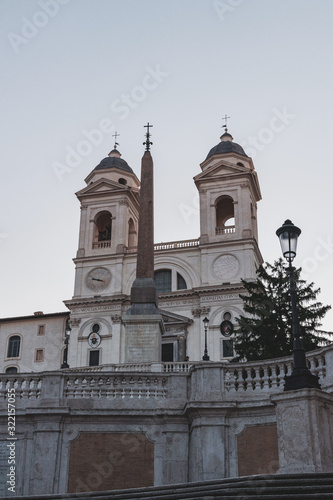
(225, 230)
(121, 387)
(180, 367)
(26, 386)
(170, 245)
(102, 244)
(228, 381)
(269, 374)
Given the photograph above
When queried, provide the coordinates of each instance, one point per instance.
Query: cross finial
(225, 118)
(147, 142)
(115, 135)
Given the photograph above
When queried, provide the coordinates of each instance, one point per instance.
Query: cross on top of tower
(115, 135)
(225, 118)
(147, 142)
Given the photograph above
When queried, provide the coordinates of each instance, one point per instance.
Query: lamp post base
(205, 357)
(301, 378)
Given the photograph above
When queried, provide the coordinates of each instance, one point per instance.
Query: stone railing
(269, 374)
(120, 387)
(26, 387)
(170, 245)
(102, 244)
(180, 367)
(150, 380)
(134, 367)
(125, 367)
(225, 230)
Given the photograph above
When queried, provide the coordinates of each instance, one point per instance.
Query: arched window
(11, 369)
(225, 216)
(14, 346)
(166, 281)
(103, 226)
(163, 280)
(181, 283)
(131, 233)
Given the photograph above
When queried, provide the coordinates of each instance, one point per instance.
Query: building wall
(42, 332)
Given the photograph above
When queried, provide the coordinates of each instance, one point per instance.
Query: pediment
(173, 319)
(221, 169)
(103, 186)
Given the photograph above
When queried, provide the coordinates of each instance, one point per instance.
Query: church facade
(195, 278)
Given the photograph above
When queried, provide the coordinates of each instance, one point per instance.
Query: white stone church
(195, 278)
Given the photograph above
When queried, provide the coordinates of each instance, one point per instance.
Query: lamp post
(205, 357)
(66, 342)
(301, 377)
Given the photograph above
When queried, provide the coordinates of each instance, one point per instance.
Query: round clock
(94, 339)
(98, 279)
(227, 328)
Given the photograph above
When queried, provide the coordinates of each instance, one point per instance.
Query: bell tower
(108, 230)
(229, 191)
(108, 225)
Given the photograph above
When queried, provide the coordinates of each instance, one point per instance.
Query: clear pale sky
(70, 67)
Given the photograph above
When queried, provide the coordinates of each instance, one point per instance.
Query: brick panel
(106, 461)
(257, 448)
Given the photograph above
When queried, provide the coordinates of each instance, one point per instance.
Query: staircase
(268, 487)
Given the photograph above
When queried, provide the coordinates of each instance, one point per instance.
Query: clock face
(98, 279)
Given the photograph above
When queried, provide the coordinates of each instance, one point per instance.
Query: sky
(74, 71)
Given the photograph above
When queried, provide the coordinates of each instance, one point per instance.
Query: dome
(113, 160)
(226, 146)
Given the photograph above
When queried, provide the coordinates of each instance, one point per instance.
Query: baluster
(256, 379)
(265, 378)
(69, 391)
(31, 390)
(23, 393)
(244, 377)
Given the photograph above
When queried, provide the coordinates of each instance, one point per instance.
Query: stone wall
(157, 424)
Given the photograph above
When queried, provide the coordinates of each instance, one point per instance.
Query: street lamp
(301, 377)
(66, 342)
(205, 357)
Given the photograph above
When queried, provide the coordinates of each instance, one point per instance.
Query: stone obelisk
(143, 321)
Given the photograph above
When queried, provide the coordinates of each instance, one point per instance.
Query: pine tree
(266, 332)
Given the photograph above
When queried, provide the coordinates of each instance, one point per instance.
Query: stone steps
(269, 487)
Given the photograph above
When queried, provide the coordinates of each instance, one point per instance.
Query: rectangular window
(41, 330)
(167, 352)
(228, 348)
(93, 358)
(39, 355)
